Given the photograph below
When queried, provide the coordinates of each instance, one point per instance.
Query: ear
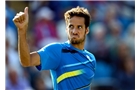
(87, 30)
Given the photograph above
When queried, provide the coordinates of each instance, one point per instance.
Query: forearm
(23, 49)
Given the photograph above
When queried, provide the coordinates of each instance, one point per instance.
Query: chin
(75, 41)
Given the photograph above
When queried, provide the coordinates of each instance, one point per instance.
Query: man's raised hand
(21, 20)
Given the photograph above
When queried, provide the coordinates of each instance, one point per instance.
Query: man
(72, 67)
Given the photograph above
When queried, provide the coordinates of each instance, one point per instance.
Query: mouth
(74, 36)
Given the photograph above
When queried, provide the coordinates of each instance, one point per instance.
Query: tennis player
(71, 66)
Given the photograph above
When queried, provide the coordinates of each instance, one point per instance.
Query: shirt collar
(69, 46)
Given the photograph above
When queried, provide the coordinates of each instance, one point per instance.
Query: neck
(79, 46)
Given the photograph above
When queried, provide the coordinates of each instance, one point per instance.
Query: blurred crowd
(111, 40)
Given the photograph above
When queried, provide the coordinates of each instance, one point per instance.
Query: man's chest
(75, 64)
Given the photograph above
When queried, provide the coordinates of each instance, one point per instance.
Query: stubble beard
(73, 41)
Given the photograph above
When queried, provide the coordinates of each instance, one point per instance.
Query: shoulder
(54, 46)
(51, 49)
(91, 54)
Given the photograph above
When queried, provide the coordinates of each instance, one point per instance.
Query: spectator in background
(97, 42)
(129, 37)
(126, 75)
(10, 12)
(44, 28)
(39, 84)
(60, 27)
(15, 82)
(114, 37)
(122, 52)
(11, 34)
(12, 57)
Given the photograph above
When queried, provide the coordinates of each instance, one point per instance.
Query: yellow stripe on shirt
(69, 74)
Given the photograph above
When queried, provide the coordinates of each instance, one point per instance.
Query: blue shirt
(70, 67)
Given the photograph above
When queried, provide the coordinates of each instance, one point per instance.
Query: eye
(79, 27)
(71, 26)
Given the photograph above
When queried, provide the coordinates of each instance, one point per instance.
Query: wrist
(22, 30)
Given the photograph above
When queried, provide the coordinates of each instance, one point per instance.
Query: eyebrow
(80, 25)
(73, 25)
(70, 24)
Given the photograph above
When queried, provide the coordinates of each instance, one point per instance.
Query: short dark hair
(78, 11)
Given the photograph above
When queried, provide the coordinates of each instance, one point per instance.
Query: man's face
(76, 30)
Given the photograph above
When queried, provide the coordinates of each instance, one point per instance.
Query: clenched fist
(21, 20)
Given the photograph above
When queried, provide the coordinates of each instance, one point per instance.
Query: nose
(74, 31)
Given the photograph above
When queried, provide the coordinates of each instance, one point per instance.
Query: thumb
(26, 10)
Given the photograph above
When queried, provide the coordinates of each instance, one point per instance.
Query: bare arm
(26, 58)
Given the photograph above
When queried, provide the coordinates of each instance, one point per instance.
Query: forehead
(75, 20)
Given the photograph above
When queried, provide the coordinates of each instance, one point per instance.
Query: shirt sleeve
(50, 56)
